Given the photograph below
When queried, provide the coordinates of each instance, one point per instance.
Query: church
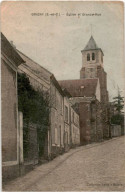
(90, 95)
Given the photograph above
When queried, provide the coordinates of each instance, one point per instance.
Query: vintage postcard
(62, 96)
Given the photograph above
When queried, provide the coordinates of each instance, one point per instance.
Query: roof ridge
(33, 61)
(79, 79)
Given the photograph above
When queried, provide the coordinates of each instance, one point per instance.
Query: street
(95, 167)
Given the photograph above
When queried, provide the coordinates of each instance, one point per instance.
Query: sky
(55, 42)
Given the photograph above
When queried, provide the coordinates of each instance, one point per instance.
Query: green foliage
(35, 107)
(118, 117)
(118, 103)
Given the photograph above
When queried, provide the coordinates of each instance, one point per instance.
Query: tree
(118, 105)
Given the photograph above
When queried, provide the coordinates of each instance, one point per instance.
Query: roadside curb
(46, 170)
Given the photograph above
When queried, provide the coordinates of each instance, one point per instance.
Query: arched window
(88, 57)
(93, 56)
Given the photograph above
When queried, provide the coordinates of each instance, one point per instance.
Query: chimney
(11, 42)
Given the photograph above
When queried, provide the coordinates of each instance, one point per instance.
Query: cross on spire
(91, 29)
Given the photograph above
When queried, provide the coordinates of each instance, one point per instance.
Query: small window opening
(93, 56)
(88, 57)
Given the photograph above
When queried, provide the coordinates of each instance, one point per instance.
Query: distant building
(90, 95)
(10, 60)
(87, 104)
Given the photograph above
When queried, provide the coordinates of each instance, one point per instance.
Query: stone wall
(67, 134)
(32, 142)
(9, 112)
(104, 100)
(57, 121)
(115, 130)
(90, 117)
(96, 122)
(97, 61)
(85, 126)
(75, 131)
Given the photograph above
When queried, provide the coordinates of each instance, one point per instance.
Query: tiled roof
(80, 87)
(35, 67)
(9, 51)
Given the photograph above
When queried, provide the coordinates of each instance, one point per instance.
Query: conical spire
(91, 44)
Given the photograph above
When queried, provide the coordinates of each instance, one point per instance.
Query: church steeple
(92, 57)
(91, 44)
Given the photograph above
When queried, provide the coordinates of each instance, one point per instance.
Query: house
(18, 159)
(10, 60)
(39, 78)
(58, 136)
(56, 118)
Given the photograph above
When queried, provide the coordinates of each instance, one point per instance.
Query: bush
(34, 105)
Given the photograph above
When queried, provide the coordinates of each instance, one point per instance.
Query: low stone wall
(115, 130)
(10, 172)
(32, 153)
(57, 150)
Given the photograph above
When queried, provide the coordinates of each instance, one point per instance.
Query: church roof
(91, 45)
(80, 87)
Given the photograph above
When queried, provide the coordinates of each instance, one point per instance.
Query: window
(62, 106)
(88, 57)
(93, 56)
(60, 134)
(56, 136)
(66, 113)
(73, 117)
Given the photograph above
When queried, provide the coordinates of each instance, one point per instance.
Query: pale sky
(55, 42)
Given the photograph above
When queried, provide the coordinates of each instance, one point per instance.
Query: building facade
(75, 130)
(67, 124)
(90, 95)
(92, 67)
(58, 137)
(63, 129)
(56, 119)
(10, 60)
(86, 102)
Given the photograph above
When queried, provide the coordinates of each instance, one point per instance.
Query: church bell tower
(92, 58)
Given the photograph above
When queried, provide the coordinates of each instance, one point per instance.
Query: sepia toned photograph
(62, 96)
